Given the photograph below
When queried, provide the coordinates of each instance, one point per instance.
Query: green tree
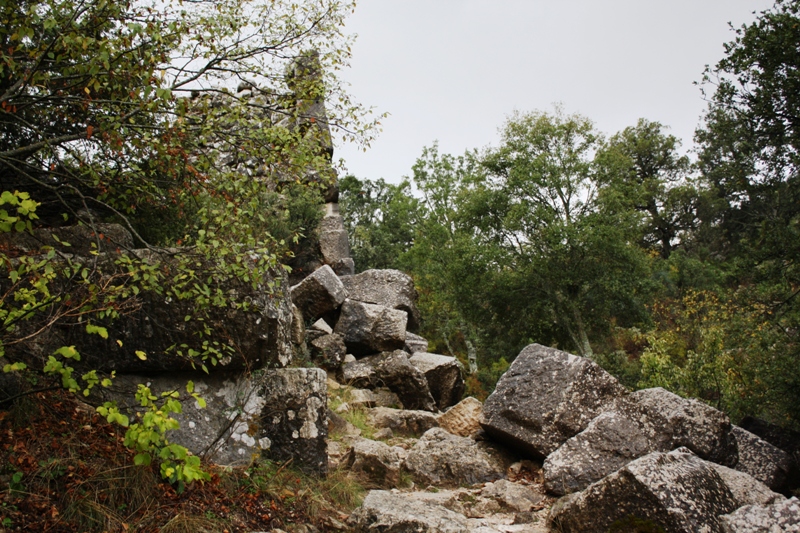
(749, 160)
(565, 268)
(444, 259)
(640, 168)
(380, 218)
(750, 140)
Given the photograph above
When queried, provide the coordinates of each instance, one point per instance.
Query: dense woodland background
(669, 269)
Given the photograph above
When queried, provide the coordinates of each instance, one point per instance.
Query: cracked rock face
(463, 419)
(546, 397)
(447, 511)
(392, 370)
(645, 421)
(676, 491)
(294, 418)
(259, 336)
(328, 351)
(335, 244)
(407, 422)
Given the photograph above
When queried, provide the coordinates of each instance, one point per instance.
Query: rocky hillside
(328, 375)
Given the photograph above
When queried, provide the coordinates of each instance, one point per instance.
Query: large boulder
(220, 433)
(319, 294)
(746, 489)
(765, 462)
(82, 240)
(390, 512)
(546, 397)
(295, 420)
(676, 491)
(359, 373)
(378, 461)
(443, 374)
(780, 517)
(253, 336)
(389, 288)
(443, 459)
(645, 421)
(393, 370)
(609, 442)
(369, 329)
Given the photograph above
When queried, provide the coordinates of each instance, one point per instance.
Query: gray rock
(328, 351)
(415, 343)
(321, 325)
(361, 398)
(221, 433)
(396, 372)
(380, 462)
(340, 427)
(546, 397)
(688, 422)
(402, 421)
(389, 288)
(518, 498)
(746, 489)
(389, 512)
(392, 370)
(383, 434)
(369, 329)
(610, 442)
(258, 336)
(441, 458)
(298, 326)
(386, 398)
(296, 419)
(319, 294)
(762, 460)
(780, 517)
(443, 374)
(645, 421)
(676, 491)
(334, 242)
(463, 419)
(77, 240)
(358, 373)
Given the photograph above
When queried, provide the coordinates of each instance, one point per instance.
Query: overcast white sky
(452, 70)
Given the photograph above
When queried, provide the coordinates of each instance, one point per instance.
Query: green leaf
(99, 330)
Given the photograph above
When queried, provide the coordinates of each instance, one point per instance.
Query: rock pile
(642, 461)
(647, 459)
